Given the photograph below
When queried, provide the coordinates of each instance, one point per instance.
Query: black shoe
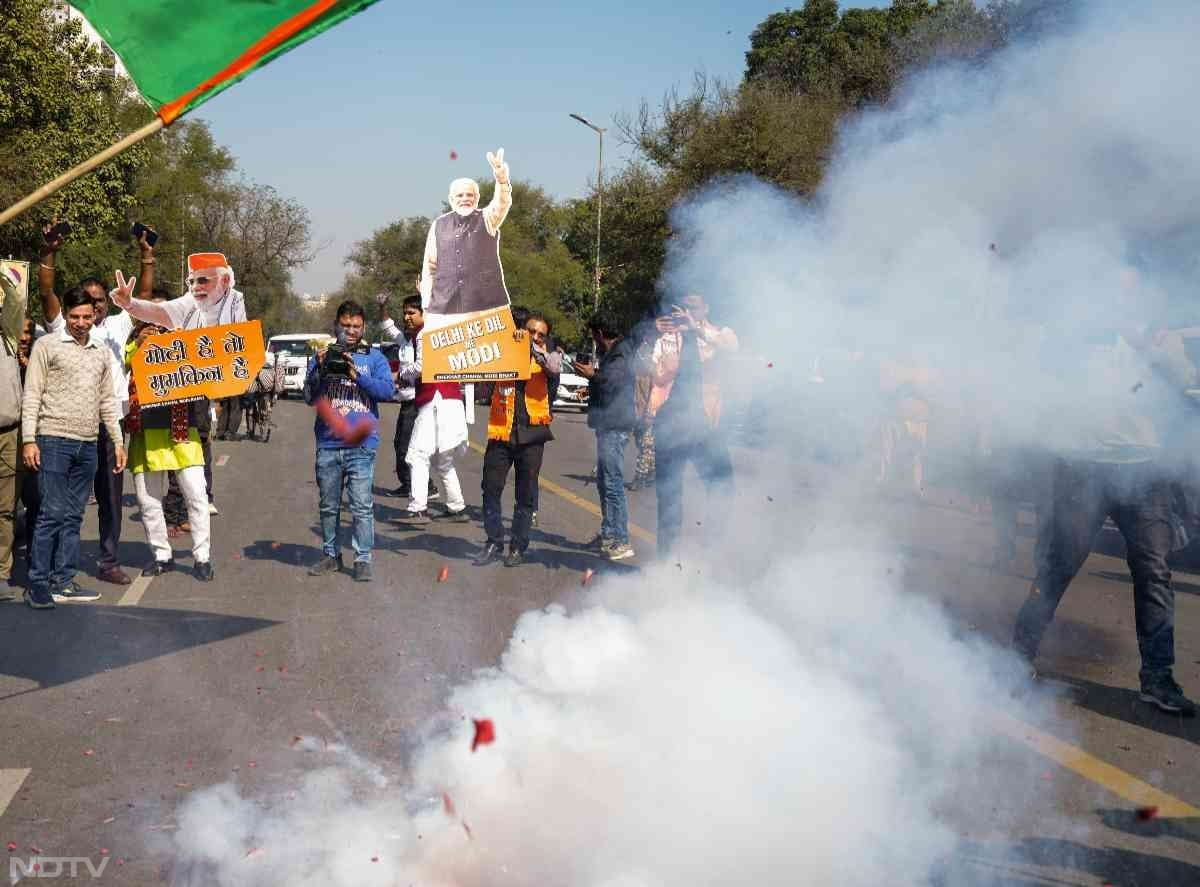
(70, 593)
(39, 600)
(413, 519)
(1167, 695)
(402, 491)
(204, 571)
(514, 558)
(157, 568)
(325, 565)
(491, 552)
(456, 517)
(533, 521)
(363, 571)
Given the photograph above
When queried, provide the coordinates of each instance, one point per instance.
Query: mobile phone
(61, 230)
(151, 234)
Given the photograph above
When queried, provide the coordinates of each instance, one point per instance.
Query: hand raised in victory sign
(499, 167)
(122, 294)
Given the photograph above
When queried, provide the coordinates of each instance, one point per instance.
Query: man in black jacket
(612, 416)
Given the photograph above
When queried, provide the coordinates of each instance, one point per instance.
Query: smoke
(988, 224)
(807, 718)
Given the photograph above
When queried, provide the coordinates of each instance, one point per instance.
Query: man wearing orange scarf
(518, 429)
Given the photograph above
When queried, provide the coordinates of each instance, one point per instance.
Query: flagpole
(82, 169)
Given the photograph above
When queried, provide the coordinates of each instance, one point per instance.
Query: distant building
(66, 11)
(315, 303)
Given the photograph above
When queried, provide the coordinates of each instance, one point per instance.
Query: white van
(294, 349)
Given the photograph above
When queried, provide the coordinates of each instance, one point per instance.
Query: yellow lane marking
(591, 507)
(1092, 768)
(1114, 779)
(10, 784)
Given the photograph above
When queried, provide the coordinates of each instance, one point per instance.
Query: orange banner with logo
(484, 347)
(212, 362)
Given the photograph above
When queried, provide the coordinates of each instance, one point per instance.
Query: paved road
(112, 713)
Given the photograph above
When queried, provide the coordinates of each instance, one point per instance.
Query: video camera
(338, 357)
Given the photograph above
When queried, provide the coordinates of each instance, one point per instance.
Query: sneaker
(325, 565)
(1167, 695)
(39, 600)
(212, 509)
(204, 571)
(598, 543)
(619, 551)
(414, 518)
(514, 558)
(157, 568)
(456, 517)
(491, 552)
(71, 593)
(363, 571)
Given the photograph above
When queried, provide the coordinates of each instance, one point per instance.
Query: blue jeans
(68, 469)
(610, 483)
(710, 455)
(1079, 497)
(354, 468)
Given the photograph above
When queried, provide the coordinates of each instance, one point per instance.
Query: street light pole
(599, 131)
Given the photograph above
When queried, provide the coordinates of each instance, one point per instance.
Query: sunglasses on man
(201, 280)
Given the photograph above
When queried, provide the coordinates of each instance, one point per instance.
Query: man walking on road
(686, 403)
(354, 377)
(612, 416)
(68, 393)
(1115, 467)
(518, 430)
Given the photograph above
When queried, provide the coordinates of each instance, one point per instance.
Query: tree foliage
(60, 103)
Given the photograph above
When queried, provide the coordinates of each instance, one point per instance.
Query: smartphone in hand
(138, 229)
(58, 232)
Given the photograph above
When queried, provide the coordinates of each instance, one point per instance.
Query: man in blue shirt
(353, 377)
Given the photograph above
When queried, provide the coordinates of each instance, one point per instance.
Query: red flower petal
(261, 668)
(87, 753)
(587, 576)
(448, 805)
(770, 366)
(453, 155)
(258, 654)
(1144, 814)
(104, 851)
(443, 574)
(12, 845)
(485, 733)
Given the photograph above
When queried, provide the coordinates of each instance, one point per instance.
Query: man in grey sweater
(68, 393)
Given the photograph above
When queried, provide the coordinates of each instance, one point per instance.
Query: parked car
(294, 349)
(572, 391)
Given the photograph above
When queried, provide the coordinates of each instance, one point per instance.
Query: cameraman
(353, 377)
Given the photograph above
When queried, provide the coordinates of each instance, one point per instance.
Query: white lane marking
(133, 595)
(10, 784)
(221, 460)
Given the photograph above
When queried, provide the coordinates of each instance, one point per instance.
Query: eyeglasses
(201, 280)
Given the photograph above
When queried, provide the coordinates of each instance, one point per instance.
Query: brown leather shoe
(114, 575)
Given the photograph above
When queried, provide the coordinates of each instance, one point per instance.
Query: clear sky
(358, 124)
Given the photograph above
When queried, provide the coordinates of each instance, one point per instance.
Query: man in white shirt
(112, 332)
(407, 377)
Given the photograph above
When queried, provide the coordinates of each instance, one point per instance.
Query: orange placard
(484, 347)
(212, 362)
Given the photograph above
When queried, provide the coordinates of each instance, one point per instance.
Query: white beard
(464, 211)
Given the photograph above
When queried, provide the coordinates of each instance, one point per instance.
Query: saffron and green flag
(180, 53)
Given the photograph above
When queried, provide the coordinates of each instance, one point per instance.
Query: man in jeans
(353, 380)
(68, 393)
(686, 404)
(1111, 463)
(612, 416)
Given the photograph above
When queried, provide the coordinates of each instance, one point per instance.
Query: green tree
(60, 104)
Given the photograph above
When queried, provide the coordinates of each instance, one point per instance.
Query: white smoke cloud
(808, 721)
